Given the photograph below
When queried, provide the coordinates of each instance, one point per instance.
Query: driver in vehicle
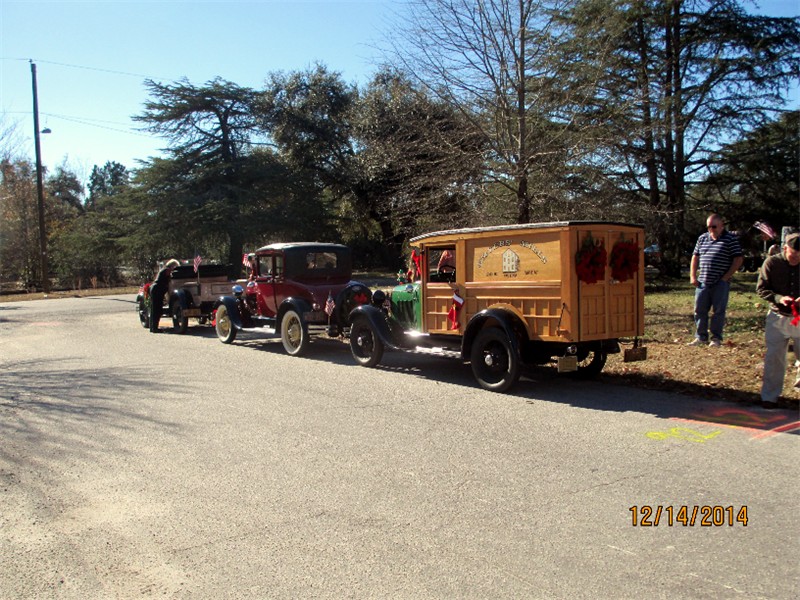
(447, 262)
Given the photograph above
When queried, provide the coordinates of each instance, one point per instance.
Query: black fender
(510, 323)
(232, 305)
(301, 305)
(380, 324)
(346, 301)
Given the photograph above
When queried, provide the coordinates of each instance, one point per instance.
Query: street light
(40, 185)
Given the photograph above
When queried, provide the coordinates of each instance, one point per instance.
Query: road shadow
(37, 393)
(609, 392)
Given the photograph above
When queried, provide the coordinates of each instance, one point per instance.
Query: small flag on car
(329, 305)
(245, 262)
(197, 261)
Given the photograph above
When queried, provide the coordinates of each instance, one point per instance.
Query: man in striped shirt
(716, 257)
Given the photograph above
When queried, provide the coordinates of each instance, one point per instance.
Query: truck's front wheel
(226, 332)
(294, 333)
(495, 362)
(365, 344)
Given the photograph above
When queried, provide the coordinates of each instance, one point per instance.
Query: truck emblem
(510, 261)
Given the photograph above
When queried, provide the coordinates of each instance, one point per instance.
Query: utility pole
(39, 186)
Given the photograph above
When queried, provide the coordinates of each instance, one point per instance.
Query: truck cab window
(442, 265)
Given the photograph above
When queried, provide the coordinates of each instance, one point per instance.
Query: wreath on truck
(624, 260)
(591, 260)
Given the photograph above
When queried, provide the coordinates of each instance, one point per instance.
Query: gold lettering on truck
(509, 259)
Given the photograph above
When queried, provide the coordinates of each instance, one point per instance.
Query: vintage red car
(296, 289)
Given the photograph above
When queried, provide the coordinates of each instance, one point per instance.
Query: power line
(81, 121)
(98, 69)
(86, 121)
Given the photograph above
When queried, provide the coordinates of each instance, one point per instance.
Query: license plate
(567, 364)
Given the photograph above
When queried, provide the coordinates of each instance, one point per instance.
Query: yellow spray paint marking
(683, 433)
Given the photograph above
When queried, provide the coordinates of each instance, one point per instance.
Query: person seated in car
(447, 262)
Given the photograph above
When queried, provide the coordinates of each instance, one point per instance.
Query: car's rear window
(315, 263)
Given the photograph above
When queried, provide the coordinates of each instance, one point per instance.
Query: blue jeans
(707, 297)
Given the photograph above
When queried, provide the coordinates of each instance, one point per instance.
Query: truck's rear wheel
(294, 333)
(226, 332)
(180, 323)
(591, 364)
(495, 362)
(365, 344)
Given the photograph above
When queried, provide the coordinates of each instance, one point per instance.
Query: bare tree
(493, 61)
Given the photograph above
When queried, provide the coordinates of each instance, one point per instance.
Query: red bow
(416, 259)
(795, 314)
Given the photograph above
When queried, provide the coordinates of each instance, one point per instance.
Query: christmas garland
(624, 260)
(590, 261)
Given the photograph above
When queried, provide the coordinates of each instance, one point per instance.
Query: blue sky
(92, 59)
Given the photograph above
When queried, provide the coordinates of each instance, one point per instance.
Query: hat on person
(172, 263)
(793, 241)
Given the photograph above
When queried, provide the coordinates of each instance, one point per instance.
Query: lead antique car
(563, 292)
(296, 289)
(191, 294)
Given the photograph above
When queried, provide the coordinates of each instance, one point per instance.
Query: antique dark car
(191, 294)
(298, 290)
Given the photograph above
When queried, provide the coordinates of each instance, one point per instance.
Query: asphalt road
(136, 465)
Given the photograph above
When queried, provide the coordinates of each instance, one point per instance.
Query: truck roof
(514, 227)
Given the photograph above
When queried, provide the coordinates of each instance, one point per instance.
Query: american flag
(245, 262)
(329, 305)
(765, 229)
(197, 261)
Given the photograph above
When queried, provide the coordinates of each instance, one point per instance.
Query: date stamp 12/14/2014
(648, 515)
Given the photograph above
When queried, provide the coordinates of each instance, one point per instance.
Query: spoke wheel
(226, 332)
(365, 344)
(294, 334)
(495, 363)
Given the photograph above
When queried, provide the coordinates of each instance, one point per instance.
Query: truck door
(440, 284)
